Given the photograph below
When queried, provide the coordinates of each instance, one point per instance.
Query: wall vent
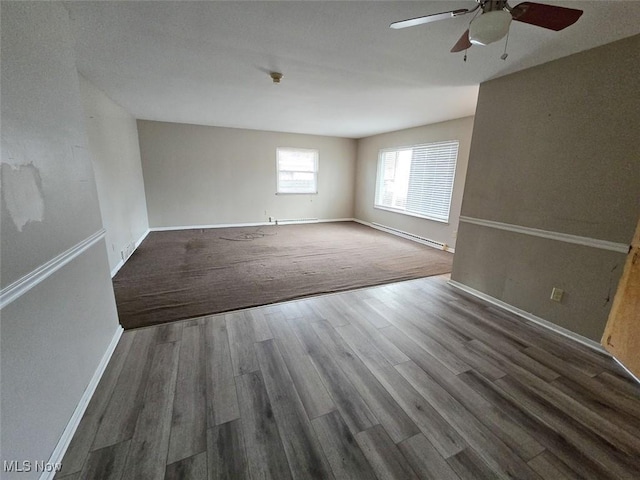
(411, 236)
(127, 251)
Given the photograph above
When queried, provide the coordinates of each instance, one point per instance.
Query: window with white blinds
(417, 180)
(297, 170)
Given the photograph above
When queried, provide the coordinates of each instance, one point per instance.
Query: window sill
(409, 214)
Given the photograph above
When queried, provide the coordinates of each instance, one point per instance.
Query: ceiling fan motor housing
(492, 5)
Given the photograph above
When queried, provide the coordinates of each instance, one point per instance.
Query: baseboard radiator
(412, 236)
(285, 221)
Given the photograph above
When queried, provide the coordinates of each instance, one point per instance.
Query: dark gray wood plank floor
(408, 380)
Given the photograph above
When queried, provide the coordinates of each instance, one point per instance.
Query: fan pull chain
(505, 54)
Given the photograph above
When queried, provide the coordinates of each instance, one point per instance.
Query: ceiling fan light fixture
(489, 27)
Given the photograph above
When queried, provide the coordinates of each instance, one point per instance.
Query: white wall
(115, 152)
(198, 175)
(366, 170)
(54, 334)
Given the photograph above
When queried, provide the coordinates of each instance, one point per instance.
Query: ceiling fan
(493, 22)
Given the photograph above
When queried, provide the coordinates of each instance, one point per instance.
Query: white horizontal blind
(297, 170)
(418, 180)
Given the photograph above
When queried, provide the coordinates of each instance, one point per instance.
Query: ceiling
(346, 73)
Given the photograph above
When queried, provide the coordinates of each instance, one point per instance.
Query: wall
(55, 331)
(554, 148)
(367, 166)
(113, 143)
(198, 175)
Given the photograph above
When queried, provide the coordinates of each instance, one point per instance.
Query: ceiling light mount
(489, 27)
(276, 76)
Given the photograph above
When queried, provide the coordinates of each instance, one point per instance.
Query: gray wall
(198, 175)
(54, 335)
(367, 165)
(113, 143)
(555, 148)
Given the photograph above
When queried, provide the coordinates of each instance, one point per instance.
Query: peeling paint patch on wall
(22, 193)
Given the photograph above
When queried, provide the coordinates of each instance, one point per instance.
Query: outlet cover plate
(556, 294)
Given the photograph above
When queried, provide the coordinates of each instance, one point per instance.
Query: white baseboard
(117, 268)
(205, 227)
(407, 235)
(141, 239)
(300, 221)
(529, 316)
(122, 262)
(70, 429)
(256, 224)
(631, 374)
(396, 232)
(327, 220)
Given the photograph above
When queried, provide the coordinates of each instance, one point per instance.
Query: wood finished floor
(403, 381)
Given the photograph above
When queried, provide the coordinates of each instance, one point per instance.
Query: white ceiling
(345, 72)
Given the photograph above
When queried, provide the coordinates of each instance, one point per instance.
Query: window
(297, 170)
(417, 180)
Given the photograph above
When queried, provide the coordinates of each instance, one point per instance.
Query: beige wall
(555, 148)
(198, 175)
(367, 165)
(54, 334)
(113, 144)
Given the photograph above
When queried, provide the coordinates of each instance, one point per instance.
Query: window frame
(403, 211)
(316, 153)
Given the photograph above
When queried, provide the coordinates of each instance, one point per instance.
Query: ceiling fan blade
(545, 16)
(412, 22)
(462, 44)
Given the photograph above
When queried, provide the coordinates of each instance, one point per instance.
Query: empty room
(320, 239)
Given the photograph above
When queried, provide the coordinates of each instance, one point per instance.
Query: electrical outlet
(271, 219)
(556, 294)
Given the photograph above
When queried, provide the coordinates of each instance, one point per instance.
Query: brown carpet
(189, 273)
